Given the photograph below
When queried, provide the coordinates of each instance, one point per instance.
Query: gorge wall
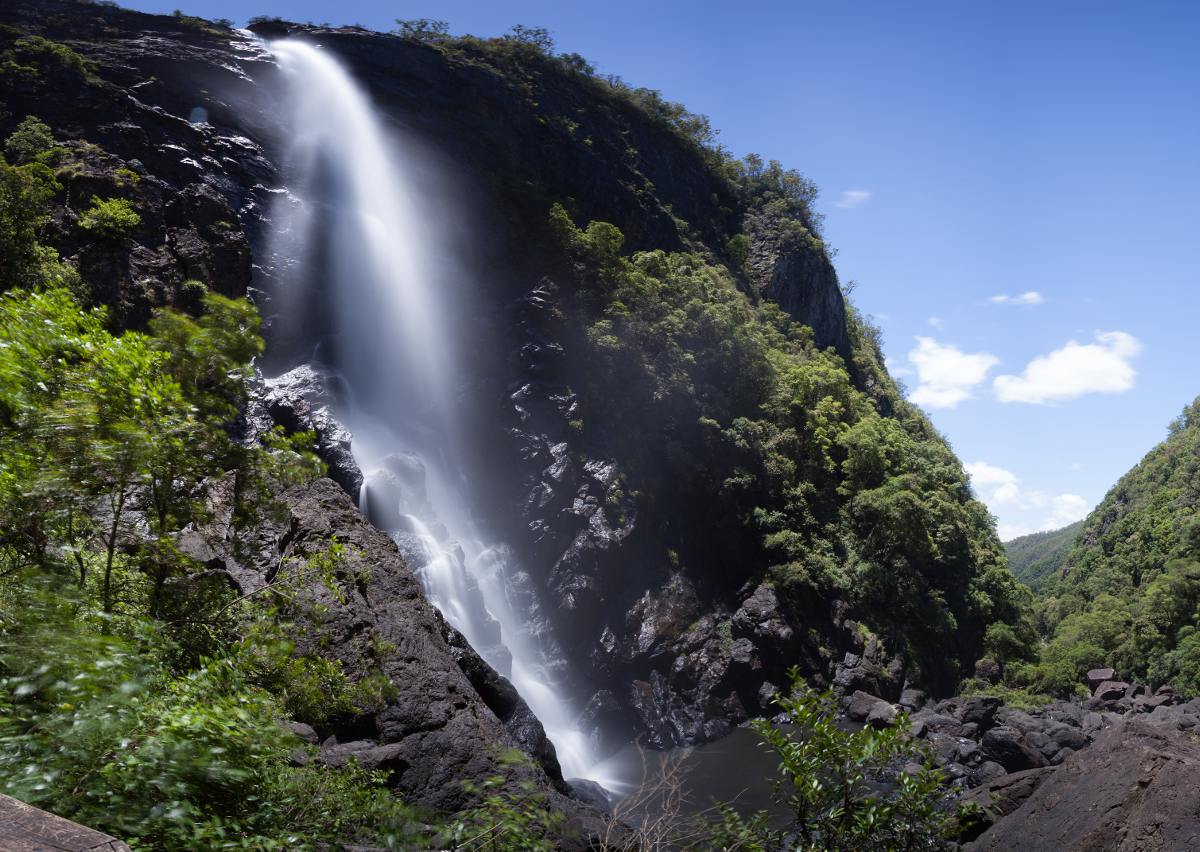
(741, 505)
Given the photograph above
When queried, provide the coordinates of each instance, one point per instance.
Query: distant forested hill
(1129, 594)
(1035, 559)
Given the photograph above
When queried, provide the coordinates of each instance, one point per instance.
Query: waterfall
(365, 262)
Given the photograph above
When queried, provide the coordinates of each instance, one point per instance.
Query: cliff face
(178, 116)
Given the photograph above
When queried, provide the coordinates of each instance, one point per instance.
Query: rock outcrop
(1133, 789)
(451, 715)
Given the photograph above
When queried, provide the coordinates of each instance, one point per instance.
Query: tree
(828, 785)
(423, 29)
(536, 37)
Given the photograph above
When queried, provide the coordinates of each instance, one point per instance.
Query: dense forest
(1038, 558)
(1125, 592)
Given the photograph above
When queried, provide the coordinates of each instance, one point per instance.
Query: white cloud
(945, 374)
(984, 475)
(937, 322)
(1031, 297)
(1074, 370)
(853, 198)
(1068, 508)
(1001, 490)
(896, 369)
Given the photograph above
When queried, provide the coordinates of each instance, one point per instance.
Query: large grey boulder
(1133, 789)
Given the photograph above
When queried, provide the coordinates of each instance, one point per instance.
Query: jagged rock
(1134, 788)
(502, 698)
(606, 722)
(988, 671)
(451, 715)
(787, 266)
(301, 400)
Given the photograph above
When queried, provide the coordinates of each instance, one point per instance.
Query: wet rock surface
(303, 400)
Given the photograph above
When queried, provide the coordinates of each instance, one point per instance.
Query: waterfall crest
(362, 254)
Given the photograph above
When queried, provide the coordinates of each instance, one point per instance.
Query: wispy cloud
(937, 322)
(1001, 490)
(945, 374)
(1074, 370)
(1030, 297)
(853, 198)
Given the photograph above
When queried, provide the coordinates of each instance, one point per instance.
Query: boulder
(913, 699)
(861, 705)
(938, 723)
(1000, 795)
(980, 710)
(1133, 789)
(1095, 677)
(882, 715)
(1007, 747)
(1111, 690)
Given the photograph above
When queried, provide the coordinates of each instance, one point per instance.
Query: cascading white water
(353, 213)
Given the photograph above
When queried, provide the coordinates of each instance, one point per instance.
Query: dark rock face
(1134, 788)
(452, 713)
(789, 269)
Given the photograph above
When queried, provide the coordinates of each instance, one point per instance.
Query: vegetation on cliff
(742, 421)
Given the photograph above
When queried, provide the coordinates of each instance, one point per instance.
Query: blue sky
(966, 151)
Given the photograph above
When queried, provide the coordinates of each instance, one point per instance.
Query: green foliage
(828, 781)
(535, 37)
(31, 139)
(1130, 594)
(25, 193)
(202, 25)
(135, 686)
(796, 473)
(509, 817)
(98, 729)
(111, 219)
(1038, 558)
(33, 58)
(1018, 699)
(423, 29)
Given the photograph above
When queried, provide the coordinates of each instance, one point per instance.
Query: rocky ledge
(1074, 774)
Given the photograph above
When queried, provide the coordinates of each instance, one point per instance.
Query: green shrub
(31, 139)
(112, 219)
(828, 783)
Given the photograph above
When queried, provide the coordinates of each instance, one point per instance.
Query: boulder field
(1117, 771)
